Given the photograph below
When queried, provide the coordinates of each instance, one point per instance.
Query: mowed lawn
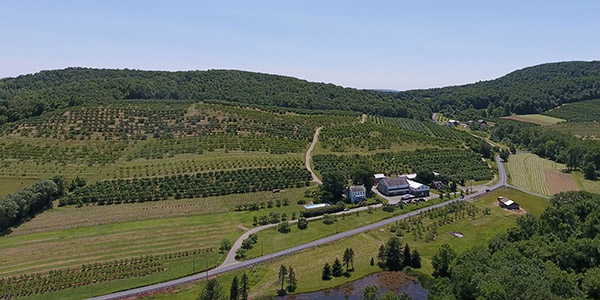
(535, 118)
(309, 263)
(69, 217)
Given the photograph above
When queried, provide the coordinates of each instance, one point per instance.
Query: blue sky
(363, 44)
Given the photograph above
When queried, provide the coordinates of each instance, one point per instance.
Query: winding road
(309, 156)
(231, 264)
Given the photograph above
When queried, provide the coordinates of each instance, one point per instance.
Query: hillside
(31, 95)
(530, 90)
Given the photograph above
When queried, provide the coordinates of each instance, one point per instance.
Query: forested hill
(31, 95)
(530, 90)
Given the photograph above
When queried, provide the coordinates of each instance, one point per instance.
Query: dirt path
(309, 154)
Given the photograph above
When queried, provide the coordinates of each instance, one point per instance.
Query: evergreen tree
(292, 283)
(372, 261)
(441, 261)
(337, 269)
(243, 294)
(415, 259)
(282, 274)
(212, 291)
(346, 258)
(326, 274)
(407, 259)
(235, 289)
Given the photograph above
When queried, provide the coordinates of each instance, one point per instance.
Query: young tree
(282, 274)
(292, 283)
(225, 246)
(441, 261)
(351, 255)
(284, 227)
(371, 292)
(334, 185)
(243, 294)
(513, 150)
(406, 256)
(234, 292)
(326, 274)
(389, 295)
(372, 262)
(337, 269)
(302, 223)
(415, 260)
(212, 291)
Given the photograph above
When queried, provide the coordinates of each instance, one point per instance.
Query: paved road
(233, 265)
(308, 156)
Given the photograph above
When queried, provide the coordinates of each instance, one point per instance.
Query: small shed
(378, 177)
(507, 203)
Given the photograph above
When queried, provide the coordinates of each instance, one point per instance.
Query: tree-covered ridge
(31, 95)
(530, 90)
(556, 256)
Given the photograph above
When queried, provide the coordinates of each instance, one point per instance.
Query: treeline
(555, 145)
(18, 207)
(530, 90)
(31, 95)
(555, 256)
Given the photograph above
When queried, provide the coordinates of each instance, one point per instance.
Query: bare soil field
(559, 182)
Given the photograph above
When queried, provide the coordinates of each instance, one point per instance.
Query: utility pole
(193, 265)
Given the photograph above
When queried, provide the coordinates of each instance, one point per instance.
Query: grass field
(270, 240)
(11, 185)
(69, 217)
(536, 118)
(308, 264)
(529, 171)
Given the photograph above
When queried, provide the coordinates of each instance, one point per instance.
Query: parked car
(276, 190)
(487, 190)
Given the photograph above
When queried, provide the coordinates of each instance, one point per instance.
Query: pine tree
(415, 260)
(212, 291)
(235, 289)
(243, 294)
(406, 256)
(326, 275)
(337, 269)
(291, 280)
(346, 259)
(372, 261)
(282, 273)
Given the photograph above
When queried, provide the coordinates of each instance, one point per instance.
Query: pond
(398, 282)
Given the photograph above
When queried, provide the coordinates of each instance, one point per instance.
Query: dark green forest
(555, 256)
(530, 90)
(31, 95)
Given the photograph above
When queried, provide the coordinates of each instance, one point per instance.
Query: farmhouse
(394, 186)
(357, 193)
(507, 203)
(418, 189)
(453, 123)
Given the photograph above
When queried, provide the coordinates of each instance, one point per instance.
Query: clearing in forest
(535, 118)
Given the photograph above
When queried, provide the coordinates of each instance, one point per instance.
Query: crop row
(406, 124)
(188, 186)
(197, 145)
(102, 153)
(139, 121)
(370, 136)
(450, 163)
(586, 111)
(55, 280)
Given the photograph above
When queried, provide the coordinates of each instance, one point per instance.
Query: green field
(536, 118)
(588, 130)
(527, 171)
(308, 263)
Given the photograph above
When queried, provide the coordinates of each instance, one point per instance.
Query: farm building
(418, 189)
(357, 193)
(378, 177)
(507, 203)
(453, 123)
(438, 185)
(394, 186)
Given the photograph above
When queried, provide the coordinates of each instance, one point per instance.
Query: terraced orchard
(452, 163)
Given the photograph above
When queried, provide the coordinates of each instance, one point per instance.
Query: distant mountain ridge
(529, 90)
